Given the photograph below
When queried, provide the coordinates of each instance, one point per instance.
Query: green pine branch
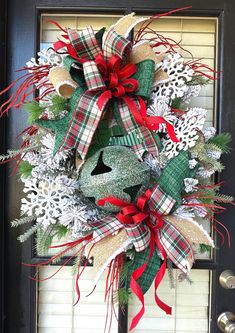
(198, 80)
(222, 141)
(44, 240)
(34, 109)
(60, 231)
(223, 198)
(210, 146)
(176, 103)
(58, 105)
(25, 169)
(203, 248)
(121, 296)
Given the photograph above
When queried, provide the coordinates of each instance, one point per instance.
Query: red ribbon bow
(120, 84)
(118, 80)
(130, 213)
(137, 213)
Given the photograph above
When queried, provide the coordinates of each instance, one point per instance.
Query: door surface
(23, 39)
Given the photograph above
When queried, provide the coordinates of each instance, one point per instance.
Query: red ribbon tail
(114, 201)
(103, 99)
(134, 109)
(171, 132)
(70, 49)
(158, 279)
(160, 275)
(137, 289)
(153, 123)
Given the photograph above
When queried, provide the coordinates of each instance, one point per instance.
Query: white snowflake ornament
(47, 150)
(46, 57)
(179, 74)
(191, 91)
(46, 199)
(192, 163)
(153, 163)
(186, 130)
(76, 218)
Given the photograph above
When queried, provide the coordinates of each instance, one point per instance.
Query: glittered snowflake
(179, 74)
(209, 132)
(47, 198)
(77, 219)
(191, 91)
(46, 57)
(186, 130)
(45, 163)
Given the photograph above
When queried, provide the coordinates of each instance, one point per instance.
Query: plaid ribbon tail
(85, 120)
(85, 43)
(115, 44)
(141, 139)
(105, 227)
(147, 144)
(178, 249)
(92, 76)
(161, 201)
(139, 235)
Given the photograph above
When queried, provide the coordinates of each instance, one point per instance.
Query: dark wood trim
(154, 6)
(20, 290)
(223, 300)
(123, 319)
(3, 71)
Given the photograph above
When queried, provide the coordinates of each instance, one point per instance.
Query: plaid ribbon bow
(141, 219)
(108, 77)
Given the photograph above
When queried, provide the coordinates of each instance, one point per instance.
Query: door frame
(3, 39)
(22, 40)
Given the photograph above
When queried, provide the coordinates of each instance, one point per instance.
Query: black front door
(23, 19)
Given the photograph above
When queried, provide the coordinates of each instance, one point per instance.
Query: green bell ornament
(113, 171)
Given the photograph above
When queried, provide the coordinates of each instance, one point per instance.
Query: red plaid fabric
(105, 227)
(128, 121)
(139, 235)
(85, 120)
(93, 77)
(161, 202)
(176, 246)
(115, 44)
(85, 43)
(148, 143)
(144, 135)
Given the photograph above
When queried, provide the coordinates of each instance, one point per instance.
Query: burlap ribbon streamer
(62, 81)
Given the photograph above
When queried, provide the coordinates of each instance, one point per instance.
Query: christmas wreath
(115, 158)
